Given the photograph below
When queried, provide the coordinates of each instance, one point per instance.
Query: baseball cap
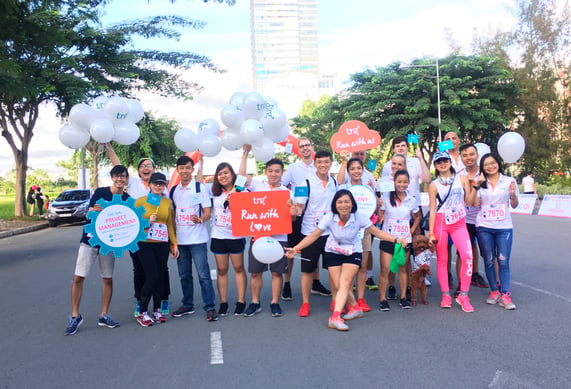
(158, 177)
(440, 155)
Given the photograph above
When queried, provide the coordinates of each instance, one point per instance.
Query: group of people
(326, 224)
(37, 198)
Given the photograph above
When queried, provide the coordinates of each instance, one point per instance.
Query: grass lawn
(7, 209)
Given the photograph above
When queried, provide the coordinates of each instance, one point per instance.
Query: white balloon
(116, 108)
(237, 99)
(208, 127)
(254, 105)
(99, 103)
(210, 146)
(73, 137)
(264, 150)
(270, 101)
(267, 250)
(136, 111)
(232, 116)
(482, 149)
(81, 116)
(102, 130)
(274, 118)
(278, 135)
(231, 139)
(126, 133)
(251, 131)
(186, 140)
(511, 146)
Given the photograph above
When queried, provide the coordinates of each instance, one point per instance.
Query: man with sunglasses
(295, 175)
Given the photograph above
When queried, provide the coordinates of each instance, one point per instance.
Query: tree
(57, 52)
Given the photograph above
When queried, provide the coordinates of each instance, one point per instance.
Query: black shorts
(389, 247)
(311, 255)
(255, 266)
(472, 232)
(295, 237)
(227, 246)
(334, 259)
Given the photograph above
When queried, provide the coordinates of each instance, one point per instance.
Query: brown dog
(420, 267)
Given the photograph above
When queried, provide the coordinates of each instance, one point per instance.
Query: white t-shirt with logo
(396, 220)
(297, 173)
(344, 239)
(221, 219)
(318, 204)
(414, 170)
(495, 204)
(188, 203)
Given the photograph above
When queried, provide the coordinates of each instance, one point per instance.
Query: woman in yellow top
(154, 252)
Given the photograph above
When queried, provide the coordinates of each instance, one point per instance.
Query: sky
(353, 36)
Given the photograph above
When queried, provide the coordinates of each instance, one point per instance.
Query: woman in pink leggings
(449, 195)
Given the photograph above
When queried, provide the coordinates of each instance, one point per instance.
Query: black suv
(69, 206)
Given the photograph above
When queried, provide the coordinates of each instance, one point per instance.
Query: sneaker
(137, 309)
(464, 302)
(252, 309)
(304, 310)
(446, 301)
(354, 313)
(145, 320)
(239, 311)
(457, 292)
(165, 307)
(408, 293)
(478, 280)
(493, 298)
(332, 307)
(211, 315)
(404, 303)
(450, 281)
(427, 282)
(106, 321)
(318, 288)
(392, 294)
(506, 302)
(364, 306)
(286, 292)
(158, 316)
(223, 311)
(74, 323)
(338, 324)
(182, 310)
(276, 309)
(370, 284)
(384, 306)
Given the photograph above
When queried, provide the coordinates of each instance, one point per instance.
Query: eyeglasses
(146, 165)
(120, 176)
(305, 145)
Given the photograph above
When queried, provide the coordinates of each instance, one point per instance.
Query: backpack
(171, 195)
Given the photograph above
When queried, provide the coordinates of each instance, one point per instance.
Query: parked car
(70, 206)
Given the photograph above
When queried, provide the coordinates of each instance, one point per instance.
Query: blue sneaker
(165, 307)
(74, 323)
(276, 309)
(137, 309)
(106, 321)
(252, 309)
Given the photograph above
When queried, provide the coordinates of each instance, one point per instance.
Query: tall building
(285, 59)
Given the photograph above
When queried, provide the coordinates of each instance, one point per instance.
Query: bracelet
(297, 251)
(476, 187)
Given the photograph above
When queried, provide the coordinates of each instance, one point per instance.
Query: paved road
(424, 347)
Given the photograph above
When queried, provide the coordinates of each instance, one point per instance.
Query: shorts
(471, 231)
(227, 246)
(255, 266)
(367, 242)
(389, 247)
(334, 259)
(311, 255)
(295, 236)
(87, 255)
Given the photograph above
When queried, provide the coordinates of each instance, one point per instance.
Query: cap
(141, 160)
(440, 155)
(158, 177)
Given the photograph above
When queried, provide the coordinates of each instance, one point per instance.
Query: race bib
(222, 218)
(398, 227)
(344, 249)
(493, 212)
(184, 216)
(158, 231)
(452, 215)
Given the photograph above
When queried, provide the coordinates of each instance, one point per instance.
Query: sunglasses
(441, 161)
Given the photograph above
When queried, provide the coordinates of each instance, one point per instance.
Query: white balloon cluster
(206, 140)
(256, 120)
(106, 119)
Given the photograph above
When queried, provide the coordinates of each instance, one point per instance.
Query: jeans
(496, 243)
(186, 254)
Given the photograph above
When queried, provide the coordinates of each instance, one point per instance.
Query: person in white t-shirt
(494, 226)
(528, 184)
(274, 171)
(343, 252)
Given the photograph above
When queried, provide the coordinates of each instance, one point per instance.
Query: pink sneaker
(304, 310)
(364, 306)
(338, 324)
(446, 301)
(493, 298)
(506, 301)
(464, 302)
(353, 313)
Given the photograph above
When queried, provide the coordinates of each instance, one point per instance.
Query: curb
(23, 230)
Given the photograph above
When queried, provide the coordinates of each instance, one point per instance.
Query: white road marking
(542, 291)
(216, 351)
(496, 379)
